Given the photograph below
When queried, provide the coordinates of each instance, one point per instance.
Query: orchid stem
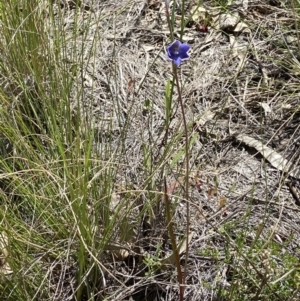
(175, 69)
(181, 278)
(173, 241)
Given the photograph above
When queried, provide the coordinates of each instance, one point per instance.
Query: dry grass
(220, 100)
(245, 220)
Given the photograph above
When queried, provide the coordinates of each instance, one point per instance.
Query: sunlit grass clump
(55, 188)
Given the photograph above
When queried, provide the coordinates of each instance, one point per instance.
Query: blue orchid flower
(178, 52)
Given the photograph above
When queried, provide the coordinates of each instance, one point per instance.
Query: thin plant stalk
(182, 19)
(187, 168)
(173, 241)
(186, 190)
(167, 6)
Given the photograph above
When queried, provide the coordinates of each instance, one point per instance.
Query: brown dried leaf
(5, 268)
(121, 254)
(242, 27)
(222, 202)
(212, 192)
(273, 157)
(181, 249)
(228, 21)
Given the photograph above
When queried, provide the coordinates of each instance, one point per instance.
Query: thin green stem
(169, 22)
(182, 19)
(173, 240)
(175, 75)
(175, 69)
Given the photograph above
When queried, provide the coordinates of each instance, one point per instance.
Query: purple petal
(173, 49)
(183, 49)
(178, 52)
(176, 43)
(177, 61)
(184, 56)
(170, 55)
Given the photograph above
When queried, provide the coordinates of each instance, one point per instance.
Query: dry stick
(173, 241)
(186, 172)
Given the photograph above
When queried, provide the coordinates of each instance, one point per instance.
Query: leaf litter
(237, 66)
